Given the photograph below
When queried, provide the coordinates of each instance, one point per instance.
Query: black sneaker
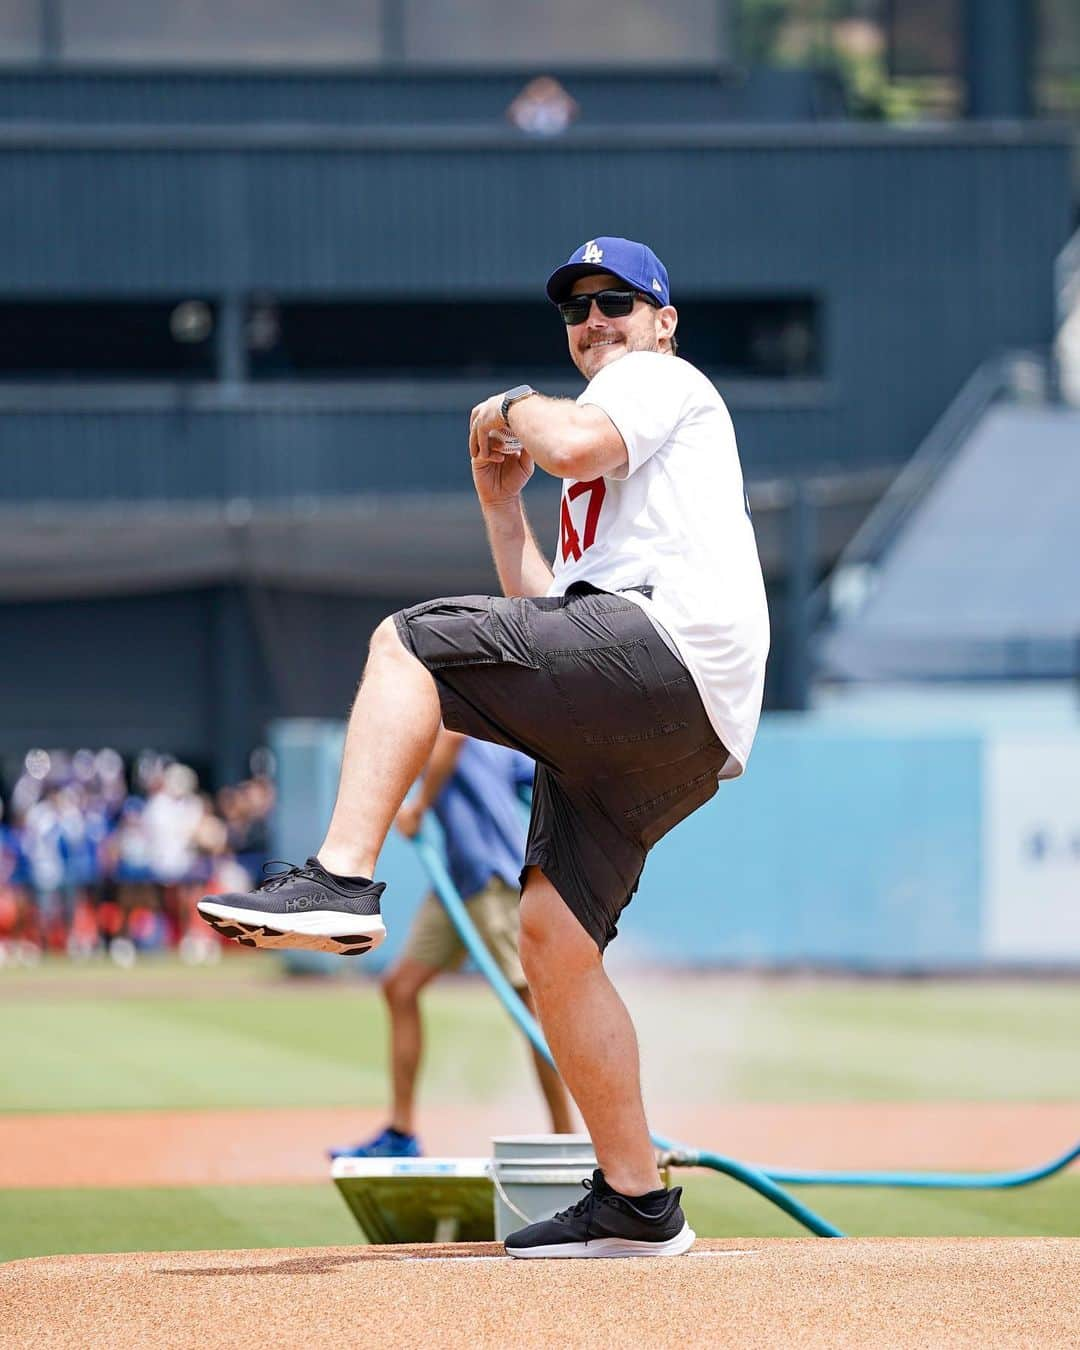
(605, 1223)
(301, 907)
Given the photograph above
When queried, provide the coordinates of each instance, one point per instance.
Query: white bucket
(536, 1175)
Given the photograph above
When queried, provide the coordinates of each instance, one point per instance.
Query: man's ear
(667, 320)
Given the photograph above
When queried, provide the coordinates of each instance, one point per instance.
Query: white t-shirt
(676, 521)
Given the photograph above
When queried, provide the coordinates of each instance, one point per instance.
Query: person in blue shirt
(473, 788)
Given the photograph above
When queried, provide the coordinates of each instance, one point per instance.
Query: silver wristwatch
(514, 395)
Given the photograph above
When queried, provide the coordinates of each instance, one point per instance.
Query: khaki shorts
(433, 939)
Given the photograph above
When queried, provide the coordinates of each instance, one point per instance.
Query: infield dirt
(276, 1145)
(902, 1293)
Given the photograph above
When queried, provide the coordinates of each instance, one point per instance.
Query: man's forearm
(521, 566)
(549, 427)
(566, 439)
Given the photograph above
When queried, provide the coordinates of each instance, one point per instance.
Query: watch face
(512, 395)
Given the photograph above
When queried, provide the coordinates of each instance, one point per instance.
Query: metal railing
(1023, 375)
(1067, 279)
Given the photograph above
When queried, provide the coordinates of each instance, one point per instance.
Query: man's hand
(498, 474)
(409, 817)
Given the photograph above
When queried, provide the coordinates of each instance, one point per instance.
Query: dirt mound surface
(756, 1293)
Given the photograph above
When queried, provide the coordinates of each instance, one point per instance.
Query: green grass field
(163, 1036)
(94, 1038)
(40, 1222)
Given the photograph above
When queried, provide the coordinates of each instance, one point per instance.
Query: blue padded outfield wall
(836, 847)
(843, 846)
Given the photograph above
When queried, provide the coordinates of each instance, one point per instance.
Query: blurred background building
(260, 257)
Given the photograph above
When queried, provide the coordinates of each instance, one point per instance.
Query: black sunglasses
(612, 305)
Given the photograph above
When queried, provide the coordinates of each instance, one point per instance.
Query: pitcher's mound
(767, 1292)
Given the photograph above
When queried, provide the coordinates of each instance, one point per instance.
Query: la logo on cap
(592, 254)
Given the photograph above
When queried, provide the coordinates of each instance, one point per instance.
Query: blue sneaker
(388, 1143)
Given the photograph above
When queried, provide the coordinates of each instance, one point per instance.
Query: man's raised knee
(386, 637)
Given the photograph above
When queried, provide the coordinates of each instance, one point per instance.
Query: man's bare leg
(392, 728)
(590, 1034)
(551, 1085)
(401, 988)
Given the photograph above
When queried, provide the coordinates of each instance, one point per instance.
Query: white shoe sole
(601, 1248)
(319, 930)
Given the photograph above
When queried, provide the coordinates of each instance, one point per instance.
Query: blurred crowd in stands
(99, 855)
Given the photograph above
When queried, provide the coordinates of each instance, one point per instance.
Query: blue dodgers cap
(634, 263)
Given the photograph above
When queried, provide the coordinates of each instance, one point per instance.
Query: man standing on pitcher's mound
(632, 673)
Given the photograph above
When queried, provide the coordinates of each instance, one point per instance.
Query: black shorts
(585, 685)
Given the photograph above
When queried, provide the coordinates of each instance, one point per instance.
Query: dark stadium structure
(244, 313)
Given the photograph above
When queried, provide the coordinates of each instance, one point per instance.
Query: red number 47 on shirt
(572, 546)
